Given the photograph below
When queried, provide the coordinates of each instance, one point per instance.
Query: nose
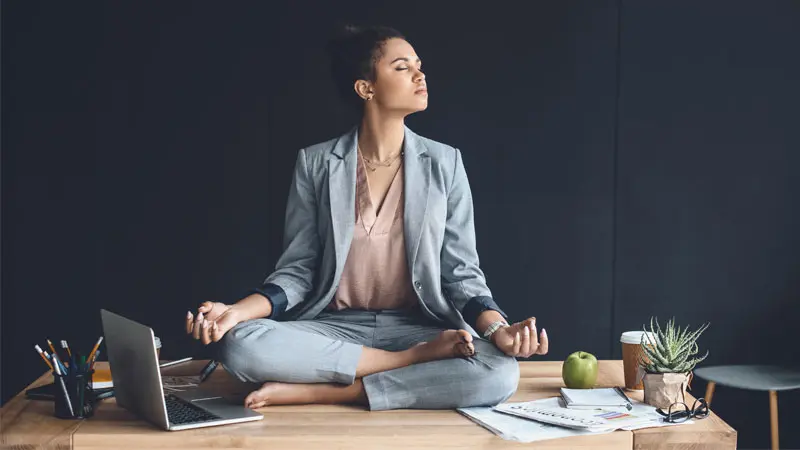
(419, 75)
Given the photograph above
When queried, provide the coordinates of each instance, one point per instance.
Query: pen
(207, 370)
(57, 362)
(60, 363)
(172, 363)
(39, 350)
(95, 347)
(64, 389)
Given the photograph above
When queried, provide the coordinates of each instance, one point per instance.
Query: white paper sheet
(514, 428)
(520, 429)
(179, 383)
(552, 411)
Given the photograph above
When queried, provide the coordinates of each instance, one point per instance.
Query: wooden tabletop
(31, 424)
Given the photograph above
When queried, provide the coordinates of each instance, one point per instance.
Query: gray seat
(754, 378)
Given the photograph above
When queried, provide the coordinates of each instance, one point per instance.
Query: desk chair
(755, 378)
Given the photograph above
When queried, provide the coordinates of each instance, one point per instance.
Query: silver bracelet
(494, 326)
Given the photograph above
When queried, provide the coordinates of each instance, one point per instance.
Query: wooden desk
(30, 424)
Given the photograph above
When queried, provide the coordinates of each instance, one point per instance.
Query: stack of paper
(549, 419)
(552, 411)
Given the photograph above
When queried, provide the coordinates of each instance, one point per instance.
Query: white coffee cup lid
(635, 337)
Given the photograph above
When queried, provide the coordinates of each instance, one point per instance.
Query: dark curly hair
(354, 51)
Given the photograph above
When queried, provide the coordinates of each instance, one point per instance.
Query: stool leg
(773, 418)
(710, 392)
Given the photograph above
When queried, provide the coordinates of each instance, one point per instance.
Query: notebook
(595, 398)
(102, 378)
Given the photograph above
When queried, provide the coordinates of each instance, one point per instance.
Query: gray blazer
(439, 232)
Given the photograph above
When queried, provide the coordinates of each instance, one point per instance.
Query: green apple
(579, 370)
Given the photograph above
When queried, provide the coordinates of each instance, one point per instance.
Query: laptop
(132, 356)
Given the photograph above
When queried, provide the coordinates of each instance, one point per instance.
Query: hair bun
(340, 36)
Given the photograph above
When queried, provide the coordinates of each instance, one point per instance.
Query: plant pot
(663, 389)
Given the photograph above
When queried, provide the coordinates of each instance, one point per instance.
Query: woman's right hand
(213, 320)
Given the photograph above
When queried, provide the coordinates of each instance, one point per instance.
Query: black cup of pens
(74, 397)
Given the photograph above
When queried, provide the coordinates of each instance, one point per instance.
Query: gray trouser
(327, 348)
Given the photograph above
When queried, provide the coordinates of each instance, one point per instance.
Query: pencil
(172, 363)
(95, 347)
(52, 349)
(66, 347)
(39, 350)
(94, 359)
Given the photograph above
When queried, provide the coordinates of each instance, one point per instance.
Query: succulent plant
(673, 349)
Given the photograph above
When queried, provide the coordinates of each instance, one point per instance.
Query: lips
(421, 90)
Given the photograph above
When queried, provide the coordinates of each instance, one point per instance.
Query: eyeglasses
(679, 412)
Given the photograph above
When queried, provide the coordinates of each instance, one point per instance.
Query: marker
(64, 389)
(207, 370)
(41, 353)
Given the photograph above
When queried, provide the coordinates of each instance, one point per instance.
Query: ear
(364, 89)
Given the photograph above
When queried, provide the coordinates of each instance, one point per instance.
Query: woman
(377, 298)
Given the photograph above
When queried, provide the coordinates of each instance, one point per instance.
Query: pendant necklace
(373, 165)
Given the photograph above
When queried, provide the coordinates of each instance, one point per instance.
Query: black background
(627, 159)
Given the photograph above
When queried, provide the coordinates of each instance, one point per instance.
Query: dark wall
(626, 159)
(708, 222)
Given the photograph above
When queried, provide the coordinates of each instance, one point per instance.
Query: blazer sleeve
(294, 272)
(463, 281)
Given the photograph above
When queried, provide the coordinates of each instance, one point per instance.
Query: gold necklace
(373, 165)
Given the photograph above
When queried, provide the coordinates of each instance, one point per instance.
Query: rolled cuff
(348, 363)
(276, 295)
(376, 392)
(476, 305)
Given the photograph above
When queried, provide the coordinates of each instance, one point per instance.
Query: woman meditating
(377, 298)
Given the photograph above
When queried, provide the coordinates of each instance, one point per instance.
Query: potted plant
(667, 361)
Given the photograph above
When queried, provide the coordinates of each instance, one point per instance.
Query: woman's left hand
(520, 339)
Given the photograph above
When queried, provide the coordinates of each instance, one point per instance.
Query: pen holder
(74, 396)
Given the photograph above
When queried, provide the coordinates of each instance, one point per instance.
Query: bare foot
(273, 393)
(449, 344)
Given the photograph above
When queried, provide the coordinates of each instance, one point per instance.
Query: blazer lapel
(342, 189)
(417, 178)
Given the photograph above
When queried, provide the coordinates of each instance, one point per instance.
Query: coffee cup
(158, 346)
(631, 354)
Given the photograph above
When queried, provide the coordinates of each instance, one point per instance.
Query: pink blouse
(375, 274)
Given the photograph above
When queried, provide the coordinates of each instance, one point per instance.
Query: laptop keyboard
(181, 412)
